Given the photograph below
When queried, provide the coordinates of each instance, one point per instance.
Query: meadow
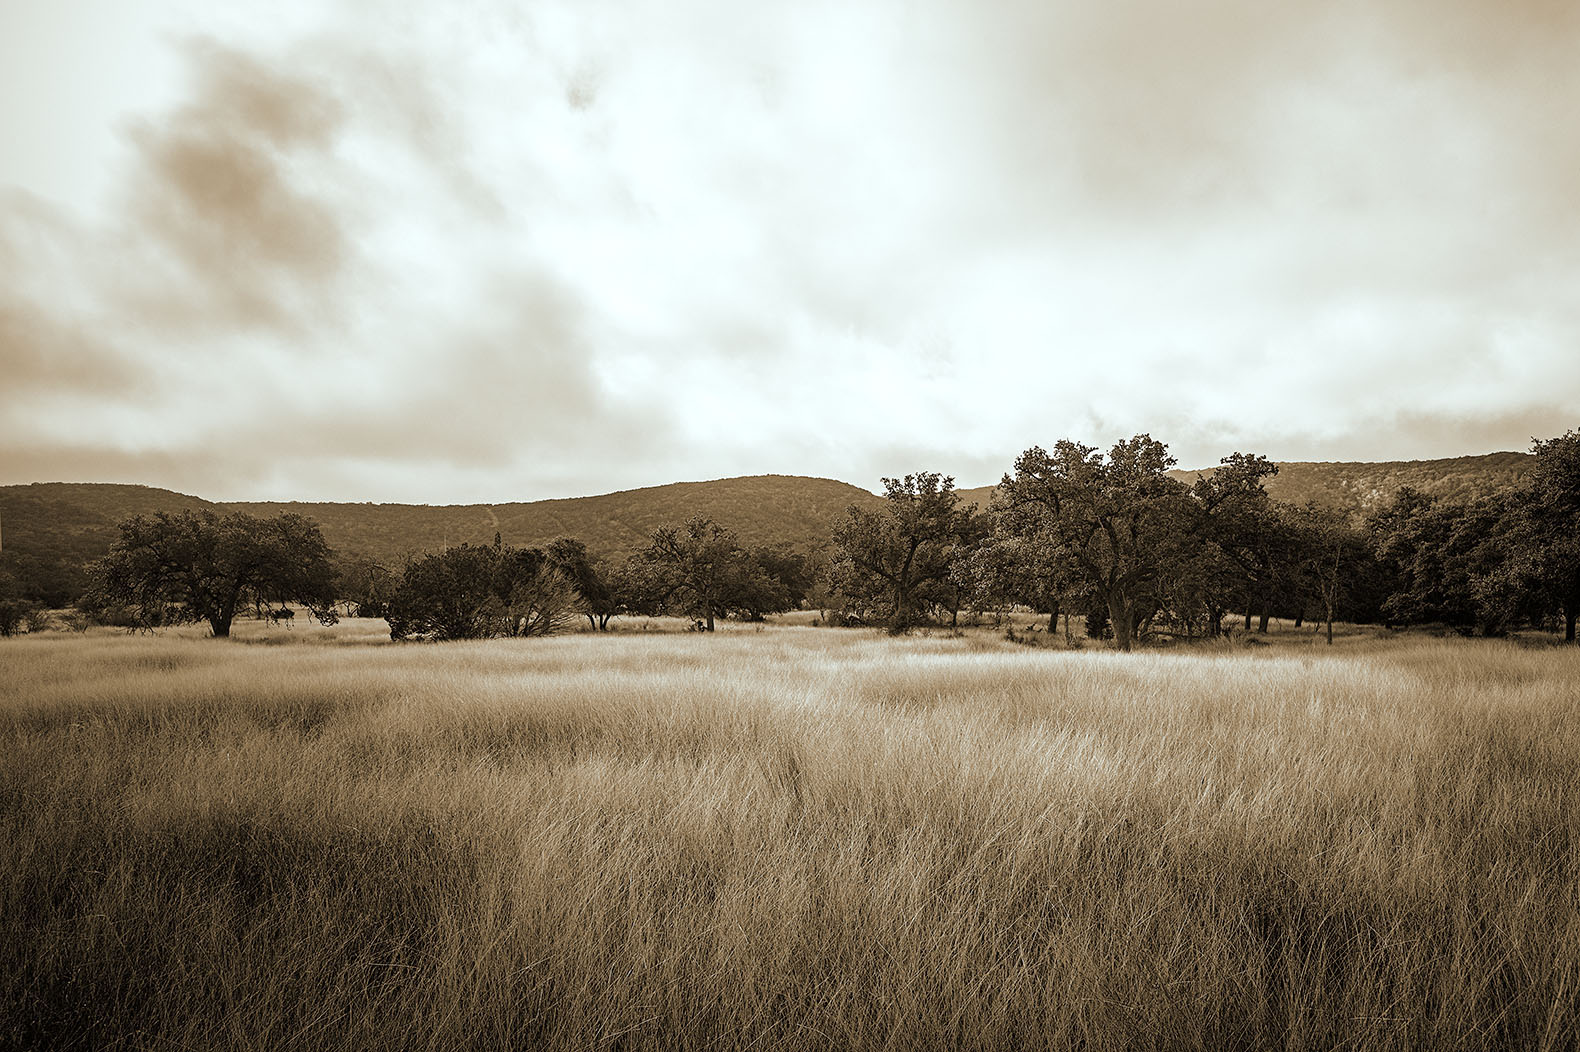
(792, 838)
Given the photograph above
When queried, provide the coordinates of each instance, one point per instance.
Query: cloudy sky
(504, 251)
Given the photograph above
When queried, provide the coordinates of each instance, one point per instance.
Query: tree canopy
(903, 557)
(1551, 527)
(601, 588)
(199, 566)
(1115, 520)
(699, 564)
(477, 591)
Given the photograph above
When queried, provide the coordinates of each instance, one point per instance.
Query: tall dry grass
(788, 839)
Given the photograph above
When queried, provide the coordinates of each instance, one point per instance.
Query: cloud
(223, 203)
(590, 245)
(271, 311)
(41, 353)
(59, 348)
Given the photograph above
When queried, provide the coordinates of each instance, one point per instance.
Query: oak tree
(1115, 520)
(902, 557)
(200, 566)
(698, 564)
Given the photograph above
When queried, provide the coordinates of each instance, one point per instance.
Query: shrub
(15, 614)
(476, 592)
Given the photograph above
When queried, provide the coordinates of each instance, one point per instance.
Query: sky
(486, 252)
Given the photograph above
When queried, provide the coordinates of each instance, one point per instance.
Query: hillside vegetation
(51, 529)
(1361, 488)
(762, 510)
(1365, 488)
(786, 839)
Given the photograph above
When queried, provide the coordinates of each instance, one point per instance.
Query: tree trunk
(1053, 620)
(219, 619)
(900, 623)
(592, 621)
(1261, 622)
(1119, 621)
(1067, 640)
(1569, 623)
(710, 617)
(1300, 618)
(1247, 616)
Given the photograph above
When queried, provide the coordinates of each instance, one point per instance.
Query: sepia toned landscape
(649, 525)
(880, 792)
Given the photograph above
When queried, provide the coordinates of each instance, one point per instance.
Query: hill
(1365, 488)
(48, 530)
(761, 509)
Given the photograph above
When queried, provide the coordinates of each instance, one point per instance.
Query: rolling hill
(761, 509)
(49, 530)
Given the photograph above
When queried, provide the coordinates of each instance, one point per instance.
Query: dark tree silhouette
(1443, 557)
(1331, 554)
(363, 586)
(901, 556)
(1242, 532)
(698, 563)
(476, 591)
(199, 566)
(600, 588)
(1551, 527)
(1116, 520)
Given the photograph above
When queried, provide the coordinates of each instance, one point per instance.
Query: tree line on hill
(1109, 537)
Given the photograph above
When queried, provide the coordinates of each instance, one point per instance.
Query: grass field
(786, 839)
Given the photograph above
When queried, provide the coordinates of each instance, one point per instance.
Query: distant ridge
(1362, 487)
(51, 529)
(762, 509)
